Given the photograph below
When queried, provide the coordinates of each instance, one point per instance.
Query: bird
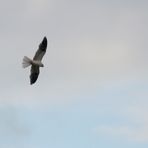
(35, 63)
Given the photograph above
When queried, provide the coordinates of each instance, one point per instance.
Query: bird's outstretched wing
(34, 74)
(41, 50)
(38, 57)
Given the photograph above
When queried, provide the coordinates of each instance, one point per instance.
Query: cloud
(134, 125)
(11, 123)
(38, 8)
(137, 134)
(90, 47)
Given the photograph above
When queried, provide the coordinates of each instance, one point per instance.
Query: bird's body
(36, 62)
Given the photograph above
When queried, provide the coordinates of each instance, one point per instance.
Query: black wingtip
(43, 44)
(45, 38)
(33, 78)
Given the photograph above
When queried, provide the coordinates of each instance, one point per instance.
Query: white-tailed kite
(36, 62)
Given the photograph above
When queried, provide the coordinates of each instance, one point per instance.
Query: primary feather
(41, 50)
(34, 74)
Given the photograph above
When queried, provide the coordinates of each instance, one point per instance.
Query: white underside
(27, 62)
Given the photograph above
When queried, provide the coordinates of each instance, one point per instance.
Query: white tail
(26, 62)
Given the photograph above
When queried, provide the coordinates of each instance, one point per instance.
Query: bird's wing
(41, 50)
(34, 74)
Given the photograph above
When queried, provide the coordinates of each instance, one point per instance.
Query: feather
(34, 74)
(41, 50)
(26, 62)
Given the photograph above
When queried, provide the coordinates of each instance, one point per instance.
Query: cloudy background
(93, 90)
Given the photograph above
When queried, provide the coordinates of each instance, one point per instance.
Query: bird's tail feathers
(26, 62)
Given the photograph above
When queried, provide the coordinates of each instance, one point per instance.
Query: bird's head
(42, 65)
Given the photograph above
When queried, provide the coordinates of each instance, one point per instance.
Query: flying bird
(36, 62)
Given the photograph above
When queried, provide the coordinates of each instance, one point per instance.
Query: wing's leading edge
(41, 50)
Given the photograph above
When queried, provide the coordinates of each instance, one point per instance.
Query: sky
(93, 89)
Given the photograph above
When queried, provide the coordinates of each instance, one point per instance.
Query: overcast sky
(93, 90)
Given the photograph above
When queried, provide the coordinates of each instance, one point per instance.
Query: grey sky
(96, 60)
(88, 41)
